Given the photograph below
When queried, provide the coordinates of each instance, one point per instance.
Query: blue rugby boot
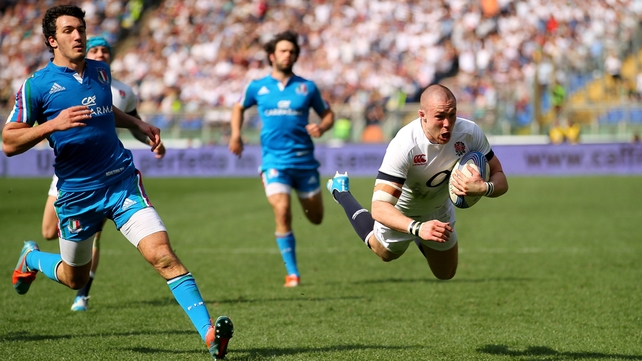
(22, 275)
(339, 183)
(80, 303)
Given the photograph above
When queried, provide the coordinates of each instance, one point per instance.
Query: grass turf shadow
(544, 353)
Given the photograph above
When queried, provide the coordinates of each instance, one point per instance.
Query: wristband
(414, 228)
(490, 190)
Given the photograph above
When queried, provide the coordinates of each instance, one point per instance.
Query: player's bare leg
(73, 274)
(285, 240)
(73, 277)
(50, 220)
(443, 264)
(95, 252)
(281, 206)
(81, 301)
(156, 249)
(313, 208)
(380, 250)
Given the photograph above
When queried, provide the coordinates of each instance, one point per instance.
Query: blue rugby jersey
(284, 112)
(89, 157)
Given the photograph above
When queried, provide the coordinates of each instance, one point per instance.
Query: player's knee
(315, 219)
(381, 251)
(446, 275)
(49, 233)
(165, 261)
(283, 222)
(388, 256)
(78, 281)
(76, 285)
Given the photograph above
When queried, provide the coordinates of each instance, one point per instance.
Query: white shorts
(53, 190)
(398, 242)
(142, 224)
(276, 188)
(76, 253)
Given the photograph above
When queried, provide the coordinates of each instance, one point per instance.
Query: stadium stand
(500, 56)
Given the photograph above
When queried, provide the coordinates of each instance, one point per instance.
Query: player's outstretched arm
(17, 138)
(236, 142)
(327, 121)
(386, 214)
(143, 138)
(385, 196)
(497, 178)
(463, 185)
(433, 230)
(124, 120)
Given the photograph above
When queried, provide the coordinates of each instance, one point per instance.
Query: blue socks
(287, 243)
(189, 298)
(47, 263)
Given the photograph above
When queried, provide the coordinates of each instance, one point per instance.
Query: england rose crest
(460, 149)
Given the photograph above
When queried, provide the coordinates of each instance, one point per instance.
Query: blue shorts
(81, 214)
(305, 181)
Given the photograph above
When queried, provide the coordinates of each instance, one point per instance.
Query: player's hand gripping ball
(477, 161)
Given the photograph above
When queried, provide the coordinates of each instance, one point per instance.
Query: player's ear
(52, 42)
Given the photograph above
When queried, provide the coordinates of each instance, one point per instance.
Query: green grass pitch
(551, 271)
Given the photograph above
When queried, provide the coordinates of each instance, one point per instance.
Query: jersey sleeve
(27, 107)
(480, 142)
(248, 99)
(395, 162)
(318, 104)
(130, 102)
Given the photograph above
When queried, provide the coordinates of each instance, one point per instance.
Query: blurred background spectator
(500, 57)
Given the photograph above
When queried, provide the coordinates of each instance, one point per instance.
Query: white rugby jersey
(426, 166)
(123, 96)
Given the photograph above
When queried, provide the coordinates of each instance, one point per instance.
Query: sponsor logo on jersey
(128, 203)
(283, 104)
(102, 76)
(419, 159)
(263, 91)
(460, 148)
(122, 93)
(89, 101)
(56, 88)
(283, 109)
(74, 226)
(302, 89)
(96, 110)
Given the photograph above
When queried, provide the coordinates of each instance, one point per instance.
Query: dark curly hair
(288, 35)
(52, 14)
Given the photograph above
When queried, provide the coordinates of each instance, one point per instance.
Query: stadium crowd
(22, 46)
(198, 54)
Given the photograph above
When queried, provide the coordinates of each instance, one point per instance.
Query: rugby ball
(477, 161)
